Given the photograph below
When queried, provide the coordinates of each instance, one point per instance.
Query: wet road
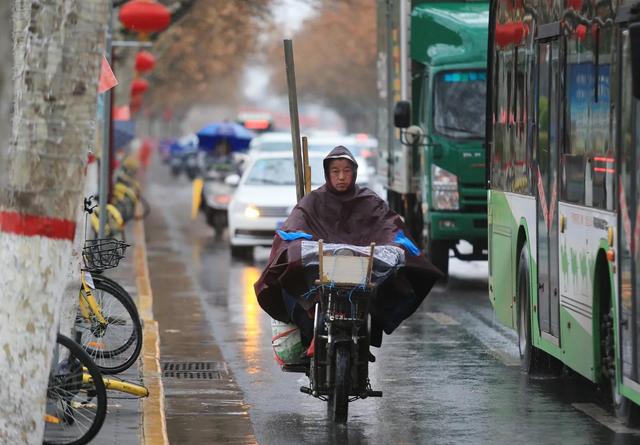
(449, 374)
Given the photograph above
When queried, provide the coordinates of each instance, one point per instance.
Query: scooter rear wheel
(338, 407)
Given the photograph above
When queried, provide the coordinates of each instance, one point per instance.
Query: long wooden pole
(306, 166)
(295, 122)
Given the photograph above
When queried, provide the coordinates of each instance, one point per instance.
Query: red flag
(107, 78)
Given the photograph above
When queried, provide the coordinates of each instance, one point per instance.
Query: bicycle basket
(102, 254)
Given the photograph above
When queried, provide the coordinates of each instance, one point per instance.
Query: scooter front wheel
(338, 407)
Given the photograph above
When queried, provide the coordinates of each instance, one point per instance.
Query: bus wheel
(623, 408)
(438, 253)
(529, 357)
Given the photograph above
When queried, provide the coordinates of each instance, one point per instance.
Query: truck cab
(448, 54)
(432, 62)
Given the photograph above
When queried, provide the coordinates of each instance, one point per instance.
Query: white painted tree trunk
(57, 49)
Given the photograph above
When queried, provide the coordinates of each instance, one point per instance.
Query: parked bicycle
(76, 404)
(107, 319)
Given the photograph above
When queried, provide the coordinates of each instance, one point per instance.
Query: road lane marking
(506, 358)
(500, 346)
(602, 416)
(442, 318)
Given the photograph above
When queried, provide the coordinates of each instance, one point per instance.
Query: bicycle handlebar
(88, 207)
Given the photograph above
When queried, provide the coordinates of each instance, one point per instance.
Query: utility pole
(105, 154)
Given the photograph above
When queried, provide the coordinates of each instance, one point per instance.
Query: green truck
(432, 59)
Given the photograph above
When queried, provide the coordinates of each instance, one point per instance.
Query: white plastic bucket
(287, 343)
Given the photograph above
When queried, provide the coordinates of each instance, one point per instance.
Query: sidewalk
(130, 420)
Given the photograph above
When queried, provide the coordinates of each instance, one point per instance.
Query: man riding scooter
(341, 212)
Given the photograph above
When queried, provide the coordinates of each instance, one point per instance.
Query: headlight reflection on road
(252, 312)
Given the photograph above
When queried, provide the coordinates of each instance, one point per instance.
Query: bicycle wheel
(121, 290)
(116, 344)
(76, 405)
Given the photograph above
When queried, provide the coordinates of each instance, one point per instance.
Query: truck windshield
(459, 104)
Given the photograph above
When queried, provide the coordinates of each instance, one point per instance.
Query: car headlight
(251, 211)
(444, 189)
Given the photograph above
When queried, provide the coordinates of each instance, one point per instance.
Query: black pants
(299, 317)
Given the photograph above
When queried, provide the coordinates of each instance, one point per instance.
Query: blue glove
(402, 239)
(290, 236)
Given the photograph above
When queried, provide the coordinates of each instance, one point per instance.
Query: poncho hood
(340, 152)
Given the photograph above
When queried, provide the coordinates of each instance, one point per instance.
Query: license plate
(89, 280)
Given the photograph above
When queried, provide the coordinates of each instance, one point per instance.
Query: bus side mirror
(402, 114)
(634, 40)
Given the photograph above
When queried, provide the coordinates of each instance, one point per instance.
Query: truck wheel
(438, 253)
(338, 406)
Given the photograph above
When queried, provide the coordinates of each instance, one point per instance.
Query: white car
(265, 196)
(271, 141)
(321, 143)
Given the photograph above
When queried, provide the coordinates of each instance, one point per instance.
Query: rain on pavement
(449, 374)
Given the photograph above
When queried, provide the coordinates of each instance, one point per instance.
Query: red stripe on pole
(32, 225)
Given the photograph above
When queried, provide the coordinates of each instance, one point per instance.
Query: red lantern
(504, 34)
(581, 32)
(144, 61)
(139, 86)
(145, 16)
(518, 33)
(575, 4)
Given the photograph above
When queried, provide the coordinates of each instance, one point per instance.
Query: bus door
(629, 218)
(549, 94)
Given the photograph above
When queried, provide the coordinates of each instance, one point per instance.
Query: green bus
(564, 168)
(439, 184)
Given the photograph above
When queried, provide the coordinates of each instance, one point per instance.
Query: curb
(154, 423)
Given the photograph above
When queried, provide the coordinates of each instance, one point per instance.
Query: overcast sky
(289, 15)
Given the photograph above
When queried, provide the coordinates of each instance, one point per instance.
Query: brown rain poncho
(357, 216)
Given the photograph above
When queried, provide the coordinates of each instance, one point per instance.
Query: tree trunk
(57, 47)
(6, 87)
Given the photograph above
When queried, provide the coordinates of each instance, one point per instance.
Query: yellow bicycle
(77, 395)
(114, 226)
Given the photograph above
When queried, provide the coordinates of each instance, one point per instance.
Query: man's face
(340, 174)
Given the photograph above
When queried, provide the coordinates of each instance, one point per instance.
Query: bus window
(521, 179)
(602, 169)
(543, 106)
(579, 82)
(501, 147)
